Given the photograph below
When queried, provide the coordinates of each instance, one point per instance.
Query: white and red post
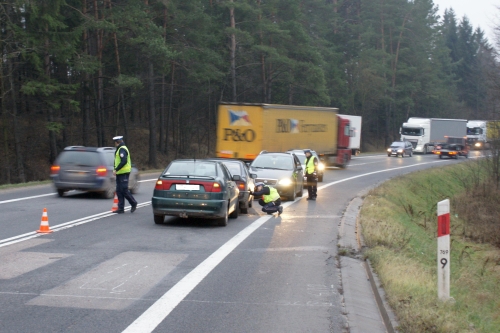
(443, 262)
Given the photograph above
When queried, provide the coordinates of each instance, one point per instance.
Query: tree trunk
(52, 134)
(233, 51)
(5, 128)
(17, 134)
(262, 59)
(100, 97)
(152, 118)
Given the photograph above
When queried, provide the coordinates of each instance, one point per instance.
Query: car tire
(301, 192)
(236, 211)
(411, 153)
(320, 179)
(135, 185)
(293, 196)
(250, 203)
(244, 208)
(159, 219)
(388, 155)
(223, 220)
(403, 154)
(60, 192)
(440, 156)
(109, 193)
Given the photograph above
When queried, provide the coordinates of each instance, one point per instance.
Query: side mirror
(299, 167)
(253, 175)
(236, 178)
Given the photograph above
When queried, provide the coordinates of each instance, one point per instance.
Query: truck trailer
(425, 133)
(355, 126)
(481, 133)
(244, 130)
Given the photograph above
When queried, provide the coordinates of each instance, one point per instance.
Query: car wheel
(250, 203)
(403, 154)
(320, 179)
(244, 208)
(236, 211)
(159, 219)
(109, 193)
(411, 153)
(388, 155)
(293, 196)
(440, 156)
(301, 192)
(223, 220)
(135, 185)
(60, 192)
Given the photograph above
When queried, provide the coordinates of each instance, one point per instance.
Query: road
(101, 272)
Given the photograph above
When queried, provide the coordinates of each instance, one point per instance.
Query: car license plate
(187, 187)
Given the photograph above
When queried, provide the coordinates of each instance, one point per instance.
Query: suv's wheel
(134, 185)
(60, 192)
(159, 219)
(109, 193)
(223, 220)
(293, 196)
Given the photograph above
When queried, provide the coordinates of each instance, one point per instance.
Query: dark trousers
(123, 192)
(270, 207)
(312, 185)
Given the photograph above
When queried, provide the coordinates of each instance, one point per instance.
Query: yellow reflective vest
(127, 167)
(310, 165)
(272, 196)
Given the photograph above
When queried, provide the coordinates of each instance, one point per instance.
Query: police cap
(118, 138)
(307, 151)
(259, 184)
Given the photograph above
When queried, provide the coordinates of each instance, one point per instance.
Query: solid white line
(62, 226)
(26, 198)
(157, 312)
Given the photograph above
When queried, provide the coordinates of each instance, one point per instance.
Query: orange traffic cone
(44, 225)
(115, 204)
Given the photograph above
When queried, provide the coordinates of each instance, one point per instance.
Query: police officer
(311, 175)
(270, 201)
(122, 168)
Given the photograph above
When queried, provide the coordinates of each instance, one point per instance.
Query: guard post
(443, 258)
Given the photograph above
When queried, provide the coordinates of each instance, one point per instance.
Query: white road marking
(62, 226)
(49, 194)
(157, 312)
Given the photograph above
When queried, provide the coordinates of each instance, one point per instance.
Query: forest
(78, 72)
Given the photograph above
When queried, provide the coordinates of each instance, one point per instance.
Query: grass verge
(399, 227)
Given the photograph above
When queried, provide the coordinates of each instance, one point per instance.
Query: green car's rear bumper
(206, 205)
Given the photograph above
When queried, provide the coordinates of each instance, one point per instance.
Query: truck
(425, 133)
(355, 127)
(246, 129)
(481, 133)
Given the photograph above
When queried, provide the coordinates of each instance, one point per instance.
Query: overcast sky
(482, 13)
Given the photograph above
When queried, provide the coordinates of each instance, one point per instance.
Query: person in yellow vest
(270, 201)
(122, 168)
(311, 175)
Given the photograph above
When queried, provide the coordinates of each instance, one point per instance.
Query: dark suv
(282, 171)
(400, 148)
(88, 169)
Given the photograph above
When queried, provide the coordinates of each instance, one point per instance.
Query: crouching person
(270, 201)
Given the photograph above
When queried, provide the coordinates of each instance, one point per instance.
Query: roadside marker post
(443, 258)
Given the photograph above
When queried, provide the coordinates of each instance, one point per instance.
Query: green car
(196, 188)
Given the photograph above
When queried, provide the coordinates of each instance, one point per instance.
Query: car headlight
(321, 167)
(478, 144)
(389, 149)
(400, 150)
(285, 182)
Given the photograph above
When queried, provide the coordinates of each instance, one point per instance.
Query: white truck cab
(417, 131)
(476, 134)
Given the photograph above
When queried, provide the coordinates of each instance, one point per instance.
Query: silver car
(88, 169)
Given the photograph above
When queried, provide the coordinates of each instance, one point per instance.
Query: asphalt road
(100, 272)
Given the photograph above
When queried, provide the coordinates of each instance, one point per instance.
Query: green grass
(399, 227)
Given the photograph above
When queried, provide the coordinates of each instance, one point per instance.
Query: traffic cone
(44, 225)
(115, 204)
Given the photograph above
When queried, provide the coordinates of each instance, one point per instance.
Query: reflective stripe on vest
(127, 167)
(272, 196)
(310, 165)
